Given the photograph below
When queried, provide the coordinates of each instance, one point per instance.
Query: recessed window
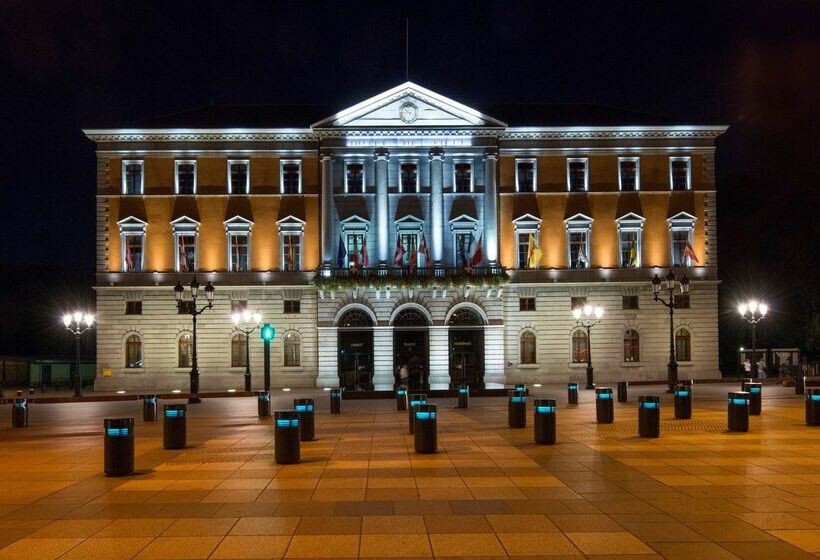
(630, 302)
(525, 175)
(577, 301)
(408, 177)
(238, 355)
(133, 351)
(354, 177)
(580, 346)
(578, 248)
(577, 174)
(238, 177)
(291, 176)
(632, 346)
(680, 173)
(629, 174)
(239, 251)
(683, 346)
(185, 350)
(133, 308)
(463, 177)
(185, 177)
(529, 253)
(291, 252)
(629, 241)
(527, 343)
(132, 177)
(292, 345)
(133, 252)
(354, 249)
(186, 307)
(186, 247)
(238, 305)
(526, 304)
(293, 306)
(410, 243)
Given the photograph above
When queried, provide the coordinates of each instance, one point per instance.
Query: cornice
(610, 132)
(200, 135)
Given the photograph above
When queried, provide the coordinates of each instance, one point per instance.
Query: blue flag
(340, 262)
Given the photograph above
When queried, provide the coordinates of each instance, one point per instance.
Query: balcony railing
(410, 277)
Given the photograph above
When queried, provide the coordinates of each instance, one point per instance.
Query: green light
(267, 332)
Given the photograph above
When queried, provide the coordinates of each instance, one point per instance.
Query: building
(356, 237)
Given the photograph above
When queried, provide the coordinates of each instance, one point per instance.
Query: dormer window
(525, 175)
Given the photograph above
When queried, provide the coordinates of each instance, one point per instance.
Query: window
(630, 302)
(239, 243)
(682, 301)
(683, 346)
(526, 304)
(408, 178)
(238, 305)
(629, 177)
(132, 177)
(629, 242)
(680, 173)
(133, 351)
(292, 306)
(632, 346)
(291, 176)
(681, 236)
(133, 254)
(577, 301)
(525, 175)
(577, 176)
(185, 177)
(291, 252)
(354, 249)
(185, 350)
(680, 239)
(580, 347)
(238, 356)
(524, 250)
(410, 243)
(579, 249)
(292, 344)
(528, 242)
(354, 177)
(238, 177)
(186, 249)
(527, 347)
(133, 308)
(463, 177)
(463, 248)
(186, 307)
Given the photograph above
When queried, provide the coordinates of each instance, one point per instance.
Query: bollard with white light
(267, 332)
(544, 420)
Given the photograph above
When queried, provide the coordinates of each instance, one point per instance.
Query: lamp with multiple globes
(677, 293)
(189, 307)
(587, 317)
(753, 312)
(247, 321)
(78, 323)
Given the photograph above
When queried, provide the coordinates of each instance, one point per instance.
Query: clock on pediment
(408, 113)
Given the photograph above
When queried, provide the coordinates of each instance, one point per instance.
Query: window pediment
(238, 224)
(463, 224)
(184, 224)
(355, 223)
(291, 224)
(579, 221)
(527, 222)
(409, 223)
(132, 225)
(682, 220)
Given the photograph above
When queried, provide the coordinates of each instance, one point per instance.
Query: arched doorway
(466, 337)
(355, 351)
(410, 333)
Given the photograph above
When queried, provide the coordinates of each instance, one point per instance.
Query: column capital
(327, 157)
(381, 154)
(437, 154)
(491, 155)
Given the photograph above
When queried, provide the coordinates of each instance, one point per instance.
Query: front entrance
(355, 346)
(466, 352)
(410, 350)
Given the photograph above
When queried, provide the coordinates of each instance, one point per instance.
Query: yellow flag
(534, 253)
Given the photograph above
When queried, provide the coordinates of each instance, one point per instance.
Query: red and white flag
(689, 251)
(423, 250)
(129, 264)
(398, 258)
(478, 254)
(354, 255)
(183, 262)
(364, 260)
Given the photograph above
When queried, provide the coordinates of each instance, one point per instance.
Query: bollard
(738, 411)
(799, 385)
(336, 400)
(743, 383)
(31, 391)
(401, 398)
(813, 406)
(118, 446)
(755, 391)
(19, 393)
(604, 408)
(286, 437)
(149, 408)
(572, 393)
(649, 416)
(19, 413)
(174, 426)
(464, 396)
(622, 391)
(544, 420)
(683, 401)
(426, 428)
(263, 404)
(307, 424)
(415, 399)
(522, 387)
(517, 409)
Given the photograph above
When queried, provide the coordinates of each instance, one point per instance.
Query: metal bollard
(572, 393)
(118, 446)
(517, 409)
(426, 429)
(522, 387)
(744, 381)
(263, 404)
(19, 413)
(755, 391)
(544, 420)
(401, 398)
(415, 399)
(738, 411)
(336, 400)
(799, 385)
(149, 408)
(464, 396)
(174, 426)
(649, 416)
(683, 401)
(307, 424)
(286, 437)
(604, 408)
(622, 391)
(813, 406)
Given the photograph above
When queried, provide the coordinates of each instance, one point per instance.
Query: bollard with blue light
(118, 446)
(174, 426)
(401, 398)
(336, 400)
(544, 420)
(604, 407)
(755, 391)
(263, 404)
(307, 424)
(413, 401)
(744, 381)
(649, 416)
(813, 406)
(517, 409)
(799, 385)
(286, 436)
(623, 394)
(572, 393)
(522, 387)
(149, 408)
(738, 411)
(19, 413)
(683, 401)
(463, 396)
(425, 434)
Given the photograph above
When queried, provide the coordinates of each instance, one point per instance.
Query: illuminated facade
(406, 236)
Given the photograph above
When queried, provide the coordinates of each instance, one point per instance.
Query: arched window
(683, 346)
(410, 318)
(292, 343)
(632, 346)
(464, 317)
(355, 318)
(133, 351)
(185, 350)
(238, 357)
(580, 347)
(527, 347)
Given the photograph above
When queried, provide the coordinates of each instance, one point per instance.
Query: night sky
(753, 65)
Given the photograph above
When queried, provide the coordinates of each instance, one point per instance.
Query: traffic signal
(267, 332)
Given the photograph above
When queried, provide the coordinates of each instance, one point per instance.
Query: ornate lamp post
(184, 307)
(587, 317)
(672, 301)
(78, 323)
(753, 312)
(250, 320)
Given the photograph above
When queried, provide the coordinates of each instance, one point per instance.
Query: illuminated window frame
(688, 160)
(141, 163)
(282, 164)
(364, 174)
(637, 161)
(585, 161)
(247, 163)
(534, 162)
(176, 174)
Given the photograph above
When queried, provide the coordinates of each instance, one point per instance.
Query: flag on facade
(689, 251)
(633, 257)
(583, 261)
(290, 256)
(354, 255)
(423, 250)
(129, 263)
(398, 258)
(534, 253)
(364, 260)
(478, 254)
(340, 261)
(183, 262)
(414, 260)
(466, 252)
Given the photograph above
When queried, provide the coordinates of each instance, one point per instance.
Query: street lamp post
(78, 323)
(671, 302)
(191, 310)
(246, 318)
(587, 317)
(753, 312)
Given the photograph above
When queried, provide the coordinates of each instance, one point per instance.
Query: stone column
(439, 357)
(437, 206)
(382, 239)
(383, 358)
(491, 209)
(328, 212)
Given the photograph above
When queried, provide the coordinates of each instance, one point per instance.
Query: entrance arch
(410, 346)
(466, 347)
(355, 348)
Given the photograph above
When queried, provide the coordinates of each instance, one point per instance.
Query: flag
(129, 264)
(423, 250)
(354, 255)
(465, 254)
(364, 260)
(414, 259)
(478, 254)
(530, 251)
(290, 256)
(183, 262)
(398, 258)
(689, 251)
(633, 257)
(535, 253)
(583, 261)
(340, 261)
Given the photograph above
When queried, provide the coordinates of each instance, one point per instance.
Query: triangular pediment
(408, 106)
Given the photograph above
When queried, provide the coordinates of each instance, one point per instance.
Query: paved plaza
(697, 492)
